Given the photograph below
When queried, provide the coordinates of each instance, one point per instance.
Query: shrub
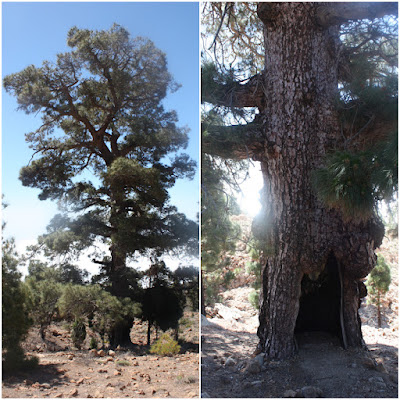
(93, 343)
(122, 363)
(165, 346)
(378, 285)
(78, 333)
(15, 320)
(254, 297)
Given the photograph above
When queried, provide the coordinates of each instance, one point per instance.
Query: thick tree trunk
(300, 126)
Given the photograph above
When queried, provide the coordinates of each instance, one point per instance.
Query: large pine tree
(107, 149)
(326, 89)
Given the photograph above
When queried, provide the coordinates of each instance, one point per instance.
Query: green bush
(378, 285)
(254, 297)
(165, 346)
(122, 363)
(78, 333)
(93, 343)
(15, 319)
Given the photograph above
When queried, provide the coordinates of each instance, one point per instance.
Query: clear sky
(34, 32)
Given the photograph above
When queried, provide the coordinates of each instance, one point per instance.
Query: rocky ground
(320, 369)
(65, 372)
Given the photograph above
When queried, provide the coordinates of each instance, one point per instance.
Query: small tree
(103, 311)
(15, 320)
(43, 299)
(378, 285)
(78, 333)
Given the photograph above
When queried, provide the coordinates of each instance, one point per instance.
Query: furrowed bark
(297, 229)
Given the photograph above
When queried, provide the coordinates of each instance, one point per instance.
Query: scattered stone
(70, 357)
(116, 373)
(230, 362)
(73, 392)
(369, 363)
(102, 371)
(45, 385)
(58, 395)
(93, 352)
(118, 348)
(80, 381)
(381, 386)
(192, 394)
(111, 353)
(260, 358)
(225, 380)
(98, 394)
(289, 394)
(311, 392)
(101, 353)
(381, 368)
(135, 363)
(253, 367)
(375, 379)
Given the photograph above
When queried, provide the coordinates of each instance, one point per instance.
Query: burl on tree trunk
(300, 234)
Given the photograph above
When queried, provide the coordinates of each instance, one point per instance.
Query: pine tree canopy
(107, 149)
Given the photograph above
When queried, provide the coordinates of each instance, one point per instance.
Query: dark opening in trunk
(320, 301)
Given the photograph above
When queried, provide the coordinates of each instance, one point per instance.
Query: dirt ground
(321, 368)
(65, 372)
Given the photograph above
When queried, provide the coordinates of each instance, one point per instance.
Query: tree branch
(233, 94)
(336, 13)
(235, 142)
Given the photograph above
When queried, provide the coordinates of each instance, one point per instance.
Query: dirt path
(228, 369)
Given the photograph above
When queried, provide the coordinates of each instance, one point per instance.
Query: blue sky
(34, 32)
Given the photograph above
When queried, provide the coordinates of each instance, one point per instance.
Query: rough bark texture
(300, 124)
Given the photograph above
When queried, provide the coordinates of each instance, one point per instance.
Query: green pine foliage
(15, 319)
(97, 308)
(106, 150)
(363, 170)
(354, 182)
(78, 333)
(165, 346)
(93, 343)
(378, 285)
(219, 232)
(42, 301)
